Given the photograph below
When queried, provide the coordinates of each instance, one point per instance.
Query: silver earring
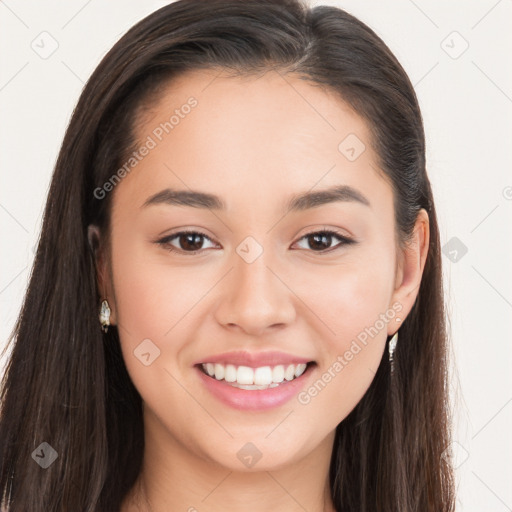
(105, 316)
(392, 346)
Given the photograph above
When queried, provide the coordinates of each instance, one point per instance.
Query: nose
(255, 297)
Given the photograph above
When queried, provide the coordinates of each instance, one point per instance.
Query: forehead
(273, 101)
(248, 136)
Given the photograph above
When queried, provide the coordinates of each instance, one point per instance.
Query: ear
(410, 265)
(104, 283)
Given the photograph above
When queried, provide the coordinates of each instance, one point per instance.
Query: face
(265, 279)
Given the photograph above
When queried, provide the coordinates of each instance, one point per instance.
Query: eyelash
(165, 242)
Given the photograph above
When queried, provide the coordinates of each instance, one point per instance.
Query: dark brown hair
(66, 382)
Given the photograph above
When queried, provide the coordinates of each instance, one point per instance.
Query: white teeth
(230, 373)
(289, 373)
(245, 377)
(210, 368)
(245, 386)
(278, 373)
(219, 371)
(263, 376)
(301, 368)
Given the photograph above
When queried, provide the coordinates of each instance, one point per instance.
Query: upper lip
(254, 359)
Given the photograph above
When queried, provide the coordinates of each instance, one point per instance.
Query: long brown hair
(66, 383)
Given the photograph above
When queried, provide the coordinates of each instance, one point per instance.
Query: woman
(236, 300)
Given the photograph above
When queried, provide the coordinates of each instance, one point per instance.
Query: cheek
(345, 298)
(151, 296)
(352, 306)
(153, 301)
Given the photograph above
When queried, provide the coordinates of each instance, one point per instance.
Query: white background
(466, 99)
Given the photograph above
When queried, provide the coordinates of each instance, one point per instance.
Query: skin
(254, 141)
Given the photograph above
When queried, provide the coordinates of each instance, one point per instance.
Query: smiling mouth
(260, 378)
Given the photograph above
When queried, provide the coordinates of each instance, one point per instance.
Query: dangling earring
(391, 349)
(105, 316)
(392, 346)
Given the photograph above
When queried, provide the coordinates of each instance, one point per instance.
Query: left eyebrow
(310, 199)
(298, 202)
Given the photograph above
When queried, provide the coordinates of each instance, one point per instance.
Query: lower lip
(257, 399)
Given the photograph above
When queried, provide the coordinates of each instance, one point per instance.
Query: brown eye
(187, 241)
(320, 241)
